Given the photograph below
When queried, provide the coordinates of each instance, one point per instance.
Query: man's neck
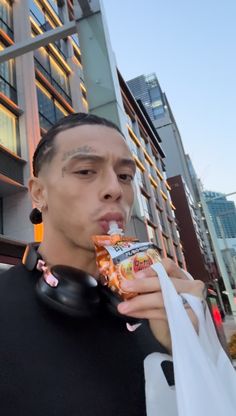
(60, 252)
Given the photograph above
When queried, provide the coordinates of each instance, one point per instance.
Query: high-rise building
(194, 248)
(223, 216)
(158, 107)
(177, 166)
(36, 90)
(147, 89)
(221, 211)
(205, 238)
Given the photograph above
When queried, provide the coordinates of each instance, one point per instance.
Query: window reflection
(147, 208)
(45, 22)
(58, 75)
(167, 245)
(6, 22)
(54, 73)
(151, 233)
(8, 129)
(7, 78)
(141, 179)
(54, 5)
(50, 110)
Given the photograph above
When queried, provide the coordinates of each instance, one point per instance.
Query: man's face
(88, 183)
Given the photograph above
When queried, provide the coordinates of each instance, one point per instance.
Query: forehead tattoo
(82, 149)
(87, 152)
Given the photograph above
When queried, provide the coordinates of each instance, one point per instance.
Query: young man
(54, 364)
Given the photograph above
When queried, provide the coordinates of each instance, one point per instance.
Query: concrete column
(99, 66)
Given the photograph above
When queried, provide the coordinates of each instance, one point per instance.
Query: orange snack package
(119, 258)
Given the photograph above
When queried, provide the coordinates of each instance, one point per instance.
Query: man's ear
(37, 192)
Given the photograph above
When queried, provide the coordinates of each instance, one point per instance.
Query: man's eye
(125, 177)
(85, 172)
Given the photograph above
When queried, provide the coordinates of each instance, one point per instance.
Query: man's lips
(107, 218)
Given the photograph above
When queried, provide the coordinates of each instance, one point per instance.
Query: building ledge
(8, 186)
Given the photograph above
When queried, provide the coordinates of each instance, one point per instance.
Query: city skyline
(189, 48)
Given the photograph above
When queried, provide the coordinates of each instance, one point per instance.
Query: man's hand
(148, 304)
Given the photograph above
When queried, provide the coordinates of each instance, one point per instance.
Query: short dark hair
(46, 148)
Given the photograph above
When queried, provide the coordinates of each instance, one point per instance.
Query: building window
(141, 179)
(167, 245)
(157, 111)
(7, 78)
(59, 76)
(179, 255)
(151, 233)
(8, 129)
(6, 21)
(45, 19)
(53, 72)
(136, 150)
(163, 221)
(147, 208)
(45, 22)
(158, 197)
(54, 5)
(50, 110)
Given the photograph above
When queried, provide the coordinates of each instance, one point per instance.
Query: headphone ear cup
(111, 300)
(75, 295)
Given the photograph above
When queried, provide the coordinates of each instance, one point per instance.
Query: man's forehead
(91, 139)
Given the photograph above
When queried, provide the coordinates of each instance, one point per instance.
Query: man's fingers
(193, 287)
(142, 302)
(152, 284)
(159, 314)
(173, 270)
(143, 285)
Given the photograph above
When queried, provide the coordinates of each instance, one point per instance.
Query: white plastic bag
(205, 380)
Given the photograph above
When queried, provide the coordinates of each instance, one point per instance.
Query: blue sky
(190, 45)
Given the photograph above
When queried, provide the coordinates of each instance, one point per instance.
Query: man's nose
(111, 188)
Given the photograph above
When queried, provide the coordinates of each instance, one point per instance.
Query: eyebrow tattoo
(83, 149)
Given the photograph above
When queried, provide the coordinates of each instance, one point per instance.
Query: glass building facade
(222, 212)
(147, 89)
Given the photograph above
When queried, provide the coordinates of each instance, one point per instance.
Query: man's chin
(87, 248)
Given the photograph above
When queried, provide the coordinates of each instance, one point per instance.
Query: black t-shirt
(54, 365)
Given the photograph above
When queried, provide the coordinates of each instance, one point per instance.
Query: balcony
(11, 172)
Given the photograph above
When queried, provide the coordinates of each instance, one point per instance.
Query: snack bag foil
(119, 258)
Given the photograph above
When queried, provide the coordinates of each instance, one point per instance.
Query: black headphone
(77, 294)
